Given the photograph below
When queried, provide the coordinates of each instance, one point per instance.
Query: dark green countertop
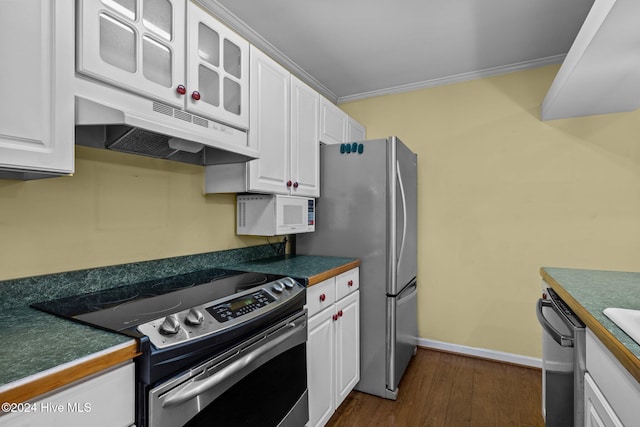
(588, 292)
(35, 343)
(313, 268)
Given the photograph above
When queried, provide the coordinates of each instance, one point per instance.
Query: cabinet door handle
(195, 95)
(295, 184)
(350, 283)
(340, 313)
(181, 89)
(335, 317)
(323, 297)
(289, 183)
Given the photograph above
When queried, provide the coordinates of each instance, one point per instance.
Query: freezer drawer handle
(563, 340)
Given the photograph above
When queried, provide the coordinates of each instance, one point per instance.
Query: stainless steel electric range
(211, 341)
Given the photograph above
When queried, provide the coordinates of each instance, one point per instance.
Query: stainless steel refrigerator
(368, 210)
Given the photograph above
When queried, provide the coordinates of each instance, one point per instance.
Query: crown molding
(489, 72)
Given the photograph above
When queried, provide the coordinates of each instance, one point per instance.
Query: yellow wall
(502, 194)
(117, 208)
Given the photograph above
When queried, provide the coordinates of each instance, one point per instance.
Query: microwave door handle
(563, 340)
(196, 388)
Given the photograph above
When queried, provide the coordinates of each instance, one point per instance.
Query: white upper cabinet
(305, 143)
(336, 127)
(333, 123)
(36, 107)
(270, 131)
(218, 69)
(283, 128)
(355, 131)
(135, 45)
(146, 47)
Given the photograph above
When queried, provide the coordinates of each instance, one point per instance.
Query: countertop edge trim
(318, 278)
(624, 356)
(37, 385)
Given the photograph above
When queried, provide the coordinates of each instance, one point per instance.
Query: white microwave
(273, 215)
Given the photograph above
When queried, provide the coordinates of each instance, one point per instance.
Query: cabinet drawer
(321, 296)
(347, 282)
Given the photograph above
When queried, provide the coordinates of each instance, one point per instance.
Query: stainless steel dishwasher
(563, 361)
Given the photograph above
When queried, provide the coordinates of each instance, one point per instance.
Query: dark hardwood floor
(444, 389)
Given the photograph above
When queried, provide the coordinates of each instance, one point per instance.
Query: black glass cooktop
(122, 307)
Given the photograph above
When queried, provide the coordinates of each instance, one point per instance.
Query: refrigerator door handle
(404, 210)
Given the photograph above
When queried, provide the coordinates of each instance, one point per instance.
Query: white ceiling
(351, 49)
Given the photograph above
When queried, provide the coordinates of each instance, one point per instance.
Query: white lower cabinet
(104, 400)
(597, 411)
(347, 345)
(320, 367)
(333, 346)
(611, 394)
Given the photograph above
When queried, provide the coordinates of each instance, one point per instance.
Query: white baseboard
(481, 352)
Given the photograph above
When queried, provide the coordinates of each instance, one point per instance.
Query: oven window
(262, 398)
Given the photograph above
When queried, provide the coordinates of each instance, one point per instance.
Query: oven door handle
(198, 387)
(563, 340)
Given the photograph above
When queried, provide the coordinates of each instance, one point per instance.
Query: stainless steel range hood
(155, 129)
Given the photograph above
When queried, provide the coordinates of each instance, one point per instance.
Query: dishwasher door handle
(563, 340)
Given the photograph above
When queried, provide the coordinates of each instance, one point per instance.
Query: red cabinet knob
(289, 183)
(323, 297)
(195, 95)
(181, 89)
(340, 313)
(295, 184)
(350, 283)
(335, 317)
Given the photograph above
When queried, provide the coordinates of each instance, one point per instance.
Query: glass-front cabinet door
(137, 45)
(217, 69)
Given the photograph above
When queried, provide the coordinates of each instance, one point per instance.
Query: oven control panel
(202, 320)
(240, 306)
